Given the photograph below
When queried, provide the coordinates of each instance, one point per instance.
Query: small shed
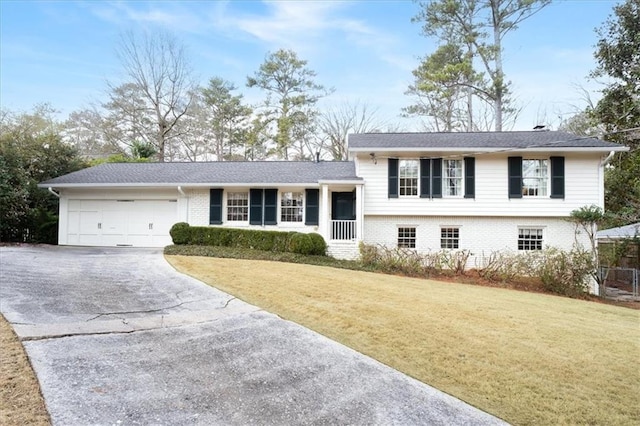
(626, 238)
(619, 252)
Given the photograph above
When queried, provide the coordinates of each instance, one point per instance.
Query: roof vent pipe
(317, 156)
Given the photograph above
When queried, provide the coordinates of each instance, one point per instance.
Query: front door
(343, 206)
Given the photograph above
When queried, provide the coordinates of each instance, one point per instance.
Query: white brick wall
(343, 249)
(198, 207)
(199, 214)
(477, 234)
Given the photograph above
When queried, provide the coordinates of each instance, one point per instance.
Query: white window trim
(532, 227)
(417, 195)
(444, 179)
(281, 207)
(547, 178)
(458, 227)
(226, 206)
(415, 237)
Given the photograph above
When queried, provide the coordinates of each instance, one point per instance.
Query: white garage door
(137, 223)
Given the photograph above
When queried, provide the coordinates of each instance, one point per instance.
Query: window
(406, 237)
(291, 207)
(452, 178)
(238, 206)
(535, 174)
(408, 177)
(449, 238)
(530, 239)
(426, 178)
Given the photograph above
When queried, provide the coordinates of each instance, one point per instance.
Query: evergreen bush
(275, 241)
(180, 233)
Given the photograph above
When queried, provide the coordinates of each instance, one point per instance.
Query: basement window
(406, 237)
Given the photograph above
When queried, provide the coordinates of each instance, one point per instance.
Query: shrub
(368, 254)
(566, 273)
(300, 243)
(410, 262)
(455, 261)
(318, 243)
(180, 233)
(309, 244)
(508, 266)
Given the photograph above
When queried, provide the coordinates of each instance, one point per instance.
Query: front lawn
(527, 358)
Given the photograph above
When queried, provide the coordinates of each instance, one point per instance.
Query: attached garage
(120, 222)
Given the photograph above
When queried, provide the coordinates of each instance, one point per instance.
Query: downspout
(609, 157)
(50, 189)
(186, 217)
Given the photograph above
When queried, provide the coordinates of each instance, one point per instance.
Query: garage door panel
(114, 222)
(141, 223)
(165, 216)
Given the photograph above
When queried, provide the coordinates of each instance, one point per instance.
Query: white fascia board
(341, 182)
(175, 185)
(471, 150)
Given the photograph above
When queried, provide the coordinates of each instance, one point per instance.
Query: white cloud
(164, 14)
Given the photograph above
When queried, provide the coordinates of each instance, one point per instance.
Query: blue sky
(64, 52)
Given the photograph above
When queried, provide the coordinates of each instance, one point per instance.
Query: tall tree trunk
(498, 80)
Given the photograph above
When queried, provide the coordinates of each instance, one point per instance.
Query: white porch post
(324, 213)
(359, 212)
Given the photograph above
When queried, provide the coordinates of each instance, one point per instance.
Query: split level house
(482, 192)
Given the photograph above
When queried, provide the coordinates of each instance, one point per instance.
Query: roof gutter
(50, 189)
(181, 191)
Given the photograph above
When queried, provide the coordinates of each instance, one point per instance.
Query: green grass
(525, 357)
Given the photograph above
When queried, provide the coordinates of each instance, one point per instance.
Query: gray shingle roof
(250, 172)
(476, 140)
(628, 231)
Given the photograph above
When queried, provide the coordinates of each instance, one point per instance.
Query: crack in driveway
(149, 311)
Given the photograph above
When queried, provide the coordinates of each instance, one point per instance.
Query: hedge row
(292, 242)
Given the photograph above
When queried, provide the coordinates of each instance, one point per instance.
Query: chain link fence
(621, 283)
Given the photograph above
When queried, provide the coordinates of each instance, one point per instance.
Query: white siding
(582, 187)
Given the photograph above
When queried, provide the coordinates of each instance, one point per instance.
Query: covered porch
(341, 216)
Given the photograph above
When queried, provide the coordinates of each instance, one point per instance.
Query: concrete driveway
(117, 336)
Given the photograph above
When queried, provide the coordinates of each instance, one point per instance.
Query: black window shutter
(425, 178)
(311, 208)
(515, 177)
(270, 206)
(436, 178)
(557, 177)
(393, 178)
(255, 206)
(469, 177)
(215, 206)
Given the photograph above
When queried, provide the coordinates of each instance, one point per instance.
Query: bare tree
(337, 122)
(158, 67)
(195, 134)
(84, 129)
